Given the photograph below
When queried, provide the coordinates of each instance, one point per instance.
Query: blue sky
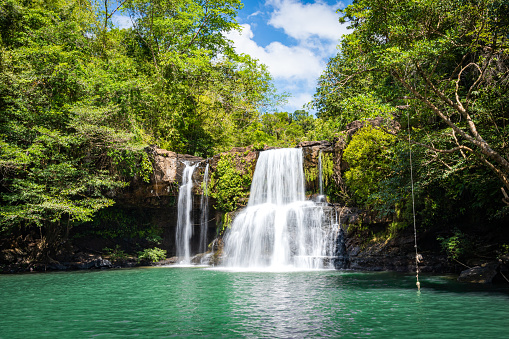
(294, 38)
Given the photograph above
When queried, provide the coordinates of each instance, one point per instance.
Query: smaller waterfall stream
(204, 218)
(320, 179)
(321, 198)
(184, 222)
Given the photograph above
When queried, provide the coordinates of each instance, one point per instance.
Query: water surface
(188, 302)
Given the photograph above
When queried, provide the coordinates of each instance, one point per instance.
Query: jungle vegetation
(81, 98)
(439, 72)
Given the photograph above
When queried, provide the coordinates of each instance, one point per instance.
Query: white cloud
(254, 14)
(122, 21)
(303, 21)
(284, 62)
(295, 66)
(298, 100)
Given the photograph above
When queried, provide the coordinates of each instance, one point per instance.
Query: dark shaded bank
(373, 245)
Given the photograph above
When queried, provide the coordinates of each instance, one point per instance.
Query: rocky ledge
(497, 271)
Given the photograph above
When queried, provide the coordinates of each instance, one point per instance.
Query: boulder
(323, 144)
(58, 266)
(165, 165)
(482, 274)
(102, 263)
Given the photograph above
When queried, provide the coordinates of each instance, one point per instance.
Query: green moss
(228, 185)
(311, 174)
(327, 168)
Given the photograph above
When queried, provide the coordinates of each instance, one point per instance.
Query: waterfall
(320, 172)
(204, 218)
(320, 198)
(184, 222)
(278, 228)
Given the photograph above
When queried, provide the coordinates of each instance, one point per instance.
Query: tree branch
(457, 143)
(500, 174)
(471, 87)
(476, 140)
(347, 79)
(107, 17)
(205, 20)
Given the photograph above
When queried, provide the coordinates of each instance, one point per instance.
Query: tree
(445, 63)
(281, 129)
(54, 134)
(197, 78)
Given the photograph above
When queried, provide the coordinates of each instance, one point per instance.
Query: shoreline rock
(487, 273)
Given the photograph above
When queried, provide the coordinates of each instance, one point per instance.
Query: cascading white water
(278, 228)
(204, 218)
(184, 222)
(321, 198)
(320, 179)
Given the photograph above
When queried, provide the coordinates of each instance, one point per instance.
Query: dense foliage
(439, 70)
(229, 186)
(370, 155)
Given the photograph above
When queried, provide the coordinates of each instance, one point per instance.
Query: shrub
(115, 254)
(152, 254)
(454, 246)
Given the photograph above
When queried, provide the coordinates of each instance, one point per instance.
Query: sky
(294, 38)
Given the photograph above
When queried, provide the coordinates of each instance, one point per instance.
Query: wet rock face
(164, 182)
(354, 251)
(312, 149)
(397, 254)
(168, 169)
(169, 166)
(160, 195)
(311, 154)
(342, 260)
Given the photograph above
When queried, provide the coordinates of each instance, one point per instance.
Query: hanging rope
(417, 256)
